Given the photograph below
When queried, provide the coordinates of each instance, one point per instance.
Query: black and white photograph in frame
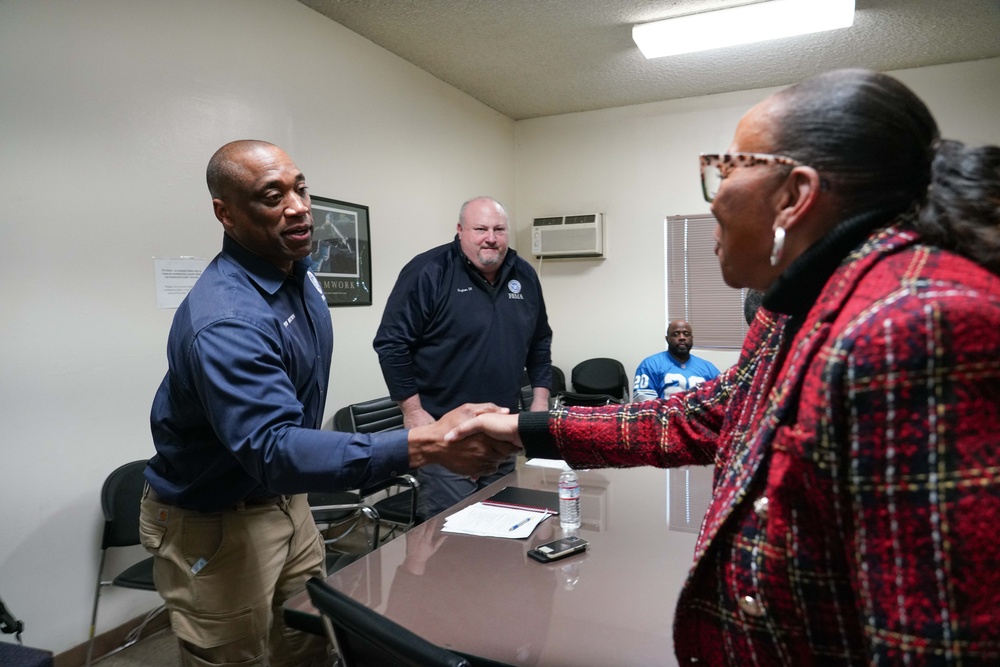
(341, 253)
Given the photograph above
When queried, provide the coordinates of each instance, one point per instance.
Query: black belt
(256, 501)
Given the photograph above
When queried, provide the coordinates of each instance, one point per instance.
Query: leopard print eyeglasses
(715, 167)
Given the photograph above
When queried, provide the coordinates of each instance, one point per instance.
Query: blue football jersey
(660, 375)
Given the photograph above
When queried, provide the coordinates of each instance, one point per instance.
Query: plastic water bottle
(569, 500)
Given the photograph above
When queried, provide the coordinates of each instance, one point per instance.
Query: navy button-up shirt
(238, 413)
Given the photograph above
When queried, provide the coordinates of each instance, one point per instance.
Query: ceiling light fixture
(741, 25)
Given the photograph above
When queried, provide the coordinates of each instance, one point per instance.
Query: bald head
(261, 198)
(479, 204)
(227, 170)
(680, 339)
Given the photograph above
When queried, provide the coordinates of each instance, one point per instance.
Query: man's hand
(476, 456)
(414, 414)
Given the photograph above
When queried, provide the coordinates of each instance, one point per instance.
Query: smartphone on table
(557, 549)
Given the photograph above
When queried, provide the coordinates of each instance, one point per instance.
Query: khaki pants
(224, 576)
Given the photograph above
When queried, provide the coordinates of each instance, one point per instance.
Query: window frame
(691, 267)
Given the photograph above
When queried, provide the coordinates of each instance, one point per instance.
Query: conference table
(611, 605)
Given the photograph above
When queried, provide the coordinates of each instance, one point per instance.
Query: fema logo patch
(514, 286)
(314, 282)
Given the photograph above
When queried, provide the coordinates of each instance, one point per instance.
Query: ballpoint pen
(520, 523)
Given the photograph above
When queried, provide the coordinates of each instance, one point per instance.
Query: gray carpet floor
(157, 650)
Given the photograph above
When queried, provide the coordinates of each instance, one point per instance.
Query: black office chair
(399, 506)
(343, 508)
(374, 416)
(364, 638)
(120, 499)
(558, 380)
(597, 381)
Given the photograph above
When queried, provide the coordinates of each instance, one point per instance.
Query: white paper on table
(557, 464)
(492, 521)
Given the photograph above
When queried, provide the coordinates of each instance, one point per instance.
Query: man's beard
(492, 261)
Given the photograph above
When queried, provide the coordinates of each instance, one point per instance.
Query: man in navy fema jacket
(462, 323)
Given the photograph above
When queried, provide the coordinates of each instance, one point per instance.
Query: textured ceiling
(530, 58)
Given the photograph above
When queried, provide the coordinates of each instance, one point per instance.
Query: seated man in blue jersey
(673, 370)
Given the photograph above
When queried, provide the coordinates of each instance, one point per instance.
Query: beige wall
(639, 164)
(108, 113)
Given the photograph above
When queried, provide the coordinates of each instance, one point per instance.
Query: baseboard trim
(109, 640)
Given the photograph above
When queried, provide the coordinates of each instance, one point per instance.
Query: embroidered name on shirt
(463, 289)
(289, 320)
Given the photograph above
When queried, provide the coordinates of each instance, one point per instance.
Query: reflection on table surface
(612, 605)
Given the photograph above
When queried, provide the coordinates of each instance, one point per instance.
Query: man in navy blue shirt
(461, 325)
(236, 425)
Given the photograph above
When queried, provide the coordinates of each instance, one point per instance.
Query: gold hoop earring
(778, 246)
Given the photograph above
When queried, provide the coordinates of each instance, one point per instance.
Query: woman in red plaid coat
(856, 443)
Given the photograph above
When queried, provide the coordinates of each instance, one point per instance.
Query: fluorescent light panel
(741, 25)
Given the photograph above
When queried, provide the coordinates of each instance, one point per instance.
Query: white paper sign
(175, 277)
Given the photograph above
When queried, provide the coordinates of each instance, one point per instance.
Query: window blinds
(695, 289)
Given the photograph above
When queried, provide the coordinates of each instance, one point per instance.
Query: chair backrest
(120, 499)
(380, 414)
(558, 380)
(365, 638)
(600, 376)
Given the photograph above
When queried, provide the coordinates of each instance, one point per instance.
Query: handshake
(471, 440)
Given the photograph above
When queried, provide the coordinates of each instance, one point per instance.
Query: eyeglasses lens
(713, 179)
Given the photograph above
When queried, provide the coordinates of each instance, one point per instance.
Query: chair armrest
(401, 480)
(405, 480)
(347, 507)
(370, 513)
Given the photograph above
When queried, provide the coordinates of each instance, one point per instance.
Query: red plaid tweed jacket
(856, 508)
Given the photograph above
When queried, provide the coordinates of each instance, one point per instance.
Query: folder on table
(532, 500)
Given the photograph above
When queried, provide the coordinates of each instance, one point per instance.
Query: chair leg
(93, 613)
(136, 633)
(373, 516)
(332, 638)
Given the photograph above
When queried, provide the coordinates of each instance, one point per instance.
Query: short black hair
(751, 303)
